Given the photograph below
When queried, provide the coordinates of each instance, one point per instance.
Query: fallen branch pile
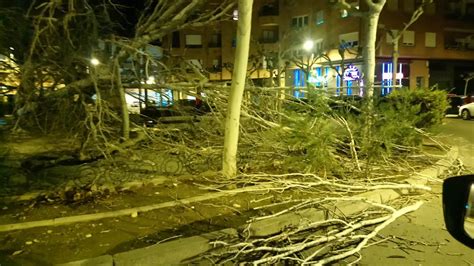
(315, 242)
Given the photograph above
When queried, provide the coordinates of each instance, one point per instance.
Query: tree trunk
(394, 62)
(123, 102)
(369, 70)
(369, 54)
(229, 163)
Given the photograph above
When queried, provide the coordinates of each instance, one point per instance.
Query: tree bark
(369, 54)
(231, 139)
(395, 61)
(123, 102)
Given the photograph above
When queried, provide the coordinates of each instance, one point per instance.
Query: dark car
(180, 111)
(455, 101)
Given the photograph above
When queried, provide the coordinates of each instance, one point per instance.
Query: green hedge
(425, 105)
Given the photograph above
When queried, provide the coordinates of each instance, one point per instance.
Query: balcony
(268, 21)
(268, 15)
(269, 10)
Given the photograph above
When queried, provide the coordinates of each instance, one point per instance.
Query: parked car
(466, 111)
(455, 101)
(180, 111)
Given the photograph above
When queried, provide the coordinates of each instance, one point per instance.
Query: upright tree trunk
(371, 23)
(231, 139)
(394, 61)
(369, 54)
(123, 102)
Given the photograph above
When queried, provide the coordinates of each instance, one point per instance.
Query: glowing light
(308, 45)
(95, 61)
(151, 80)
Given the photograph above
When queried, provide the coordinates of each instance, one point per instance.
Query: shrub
(397, 119)
(427, 106)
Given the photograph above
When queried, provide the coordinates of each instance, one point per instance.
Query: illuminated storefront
(384, 72)
(350, 82)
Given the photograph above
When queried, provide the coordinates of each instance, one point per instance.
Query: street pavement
(460, 132)
(423, 239)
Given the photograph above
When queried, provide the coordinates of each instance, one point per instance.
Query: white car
(466, 111)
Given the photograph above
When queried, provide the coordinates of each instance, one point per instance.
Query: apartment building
(436, 49)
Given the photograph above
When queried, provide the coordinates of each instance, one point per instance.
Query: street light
(308, 45)
(95, 61)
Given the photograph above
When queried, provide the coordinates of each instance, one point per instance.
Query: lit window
(193, 41)
(338, 80)
(409, 38)
(430, 39)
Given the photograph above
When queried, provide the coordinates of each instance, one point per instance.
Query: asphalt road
(423, 239)
(460, 132)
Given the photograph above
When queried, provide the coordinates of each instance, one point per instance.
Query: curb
(165, 253)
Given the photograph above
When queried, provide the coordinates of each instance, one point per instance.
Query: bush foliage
(400, 118)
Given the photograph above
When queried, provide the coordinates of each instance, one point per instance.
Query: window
(318, 45)
(175, 40)
(215, 40)
(349, 40)
(299, 22)
(319, 75)
(269, 36)
(299, 81)
(193, 41)
(430, 39)
(319, 17)
(409, 38)
(392, 5)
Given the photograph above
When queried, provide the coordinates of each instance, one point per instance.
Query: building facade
(437, 49)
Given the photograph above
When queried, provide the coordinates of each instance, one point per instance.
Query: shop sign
(351, 73)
